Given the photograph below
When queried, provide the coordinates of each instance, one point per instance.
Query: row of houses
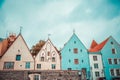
(100, 60)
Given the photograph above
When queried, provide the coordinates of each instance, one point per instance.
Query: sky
(90, 19)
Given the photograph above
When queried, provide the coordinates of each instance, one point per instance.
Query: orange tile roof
(98, 47)
(6, 43)
(94, 43)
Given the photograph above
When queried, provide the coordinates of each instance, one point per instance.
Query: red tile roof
(6, 43)
(94, 43)
(97, 47)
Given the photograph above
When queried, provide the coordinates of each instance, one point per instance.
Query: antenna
(21, 29)
(73, 30)
(49, 35)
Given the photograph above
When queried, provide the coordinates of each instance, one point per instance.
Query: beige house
(16, 55)
(48, 57)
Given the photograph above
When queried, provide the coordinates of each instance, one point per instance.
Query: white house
(17, 55)
(48, 58)
(96, 65)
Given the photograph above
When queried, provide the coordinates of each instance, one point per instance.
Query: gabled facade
(75, 56)
(17, 56)
(48, 58)
(110, 51)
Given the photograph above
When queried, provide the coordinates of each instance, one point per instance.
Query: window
(42, 58)
(39, 66)
(97, 74)
(96, 66)
(27, 66)
(48, 53)
(74, 42)
(69, 50)
(112, 43)
(18, 57)
(53, 66)
(110, 61)
(36, 77)
(115, 61)
(117, 72)
(119, 61)
(69, 69)
(76, 61)
(112, 72)
(53, 59)
(80, 50)
(75, 50)
(95, 58)
(8, 65)
(113, 51)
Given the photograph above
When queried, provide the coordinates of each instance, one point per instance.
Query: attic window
(74, 42)
(112, 43)
(18, 57)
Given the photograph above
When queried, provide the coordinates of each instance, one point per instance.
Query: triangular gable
(74, 36)
(15, 41)
(94, 43)
(46, 44)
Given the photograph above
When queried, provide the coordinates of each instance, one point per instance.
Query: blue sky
(91, 19)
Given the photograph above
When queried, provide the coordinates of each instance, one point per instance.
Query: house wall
(18, 47)
(100, 65)
(68, 55)
(107, 53)
(46, 64)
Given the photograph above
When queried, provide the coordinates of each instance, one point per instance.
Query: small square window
(53, 59)
(42, 58)
(69, 69)
(118, 72)
(36, 77)
(27, 66)
(39, 66)
(76, 61)
(95, 58)
(115, 61)
(110, 61)
(97, 74)
(112, 72)
(113, 51)
(53, 66)
(96, 66)
(18, 57)
(75, 50)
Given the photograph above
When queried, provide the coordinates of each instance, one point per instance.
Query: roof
(94, 43)
(97, 47)
(6, 43)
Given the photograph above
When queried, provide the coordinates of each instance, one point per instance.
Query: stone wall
(44, 75)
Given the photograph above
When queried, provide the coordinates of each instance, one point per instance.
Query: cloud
(90, 19)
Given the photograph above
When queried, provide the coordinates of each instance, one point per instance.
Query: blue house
(110, 50)
(75, 56)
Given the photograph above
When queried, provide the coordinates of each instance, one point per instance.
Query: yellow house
(16, 55)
